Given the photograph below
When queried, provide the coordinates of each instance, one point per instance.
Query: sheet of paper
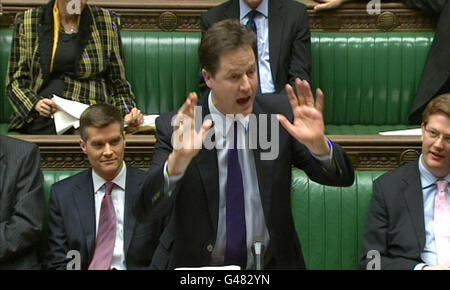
(68, 114)
(407, 132)
(149, 120)
(64, 122)
(73, 108)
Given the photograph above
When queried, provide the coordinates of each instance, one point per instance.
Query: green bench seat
(329, 220)
(369, 79)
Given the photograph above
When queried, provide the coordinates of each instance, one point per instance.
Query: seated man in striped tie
(230, 189)
(92, 217)
(408, 226)
(283, 38)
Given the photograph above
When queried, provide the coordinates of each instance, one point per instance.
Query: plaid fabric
(100, 75)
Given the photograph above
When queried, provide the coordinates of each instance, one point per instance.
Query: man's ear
(207, 76)
(83, 146)
(423, 131)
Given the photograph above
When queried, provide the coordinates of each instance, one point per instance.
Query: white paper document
(68, 114)
(407, 132)
(149, 120)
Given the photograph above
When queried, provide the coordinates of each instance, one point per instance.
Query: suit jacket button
(209, 248)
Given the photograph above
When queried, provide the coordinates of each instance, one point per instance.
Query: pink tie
(106, 236)
(442, 224)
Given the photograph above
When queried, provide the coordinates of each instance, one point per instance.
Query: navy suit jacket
(72, 222)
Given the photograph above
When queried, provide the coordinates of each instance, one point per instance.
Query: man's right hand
(46, 107)
(329, 4)
(189, 141)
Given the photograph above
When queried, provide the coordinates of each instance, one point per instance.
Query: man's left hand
(308, 126)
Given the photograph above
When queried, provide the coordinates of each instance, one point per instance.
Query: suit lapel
(264, 168)
(232, 11)
(276, 23)
(208, 168)
(132, 188)
(414, 201)
(83, 194)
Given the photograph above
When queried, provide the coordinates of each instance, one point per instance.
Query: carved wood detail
(174, 15)
(366, 152)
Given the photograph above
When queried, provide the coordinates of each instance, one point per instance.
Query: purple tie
(106, 236)
(236, 249)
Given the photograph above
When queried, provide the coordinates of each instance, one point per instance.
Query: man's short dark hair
(224, 36)
(99, 116)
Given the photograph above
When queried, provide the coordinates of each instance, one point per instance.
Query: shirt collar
(119, 180)
(226, 120)
(426, 177)
(244, 9)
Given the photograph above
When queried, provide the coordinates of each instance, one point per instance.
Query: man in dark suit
(93, 212)
(21, 204)
(284, 41)
(435, 78)
(404, 220)
(228, 193)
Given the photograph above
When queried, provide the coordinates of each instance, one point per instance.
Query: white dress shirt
(262, 28)
(118, 198)
(429, 191)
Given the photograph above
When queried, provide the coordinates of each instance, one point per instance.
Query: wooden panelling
(184, 15)
(366, 152)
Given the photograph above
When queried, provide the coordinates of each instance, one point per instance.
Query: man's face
(253, 3)
(105, 149)
(235, 83)
(436, 144)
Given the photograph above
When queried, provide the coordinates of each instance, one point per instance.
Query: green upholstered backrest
(369, 79)
(5, 49)
(330, 221)
(162, 67)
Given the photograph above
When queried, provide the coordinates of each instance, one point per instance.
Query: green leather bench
(369, 79)
(329, 220)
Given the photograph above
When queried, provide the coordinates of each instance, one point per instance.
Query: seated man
(228, 197)
(435, 78)
(283, 37)
(93, 211)
(21, 206)
(409, 218)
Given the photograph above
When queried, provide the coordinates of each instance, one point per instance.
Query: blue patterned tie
(251, 20)
(236, 250)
